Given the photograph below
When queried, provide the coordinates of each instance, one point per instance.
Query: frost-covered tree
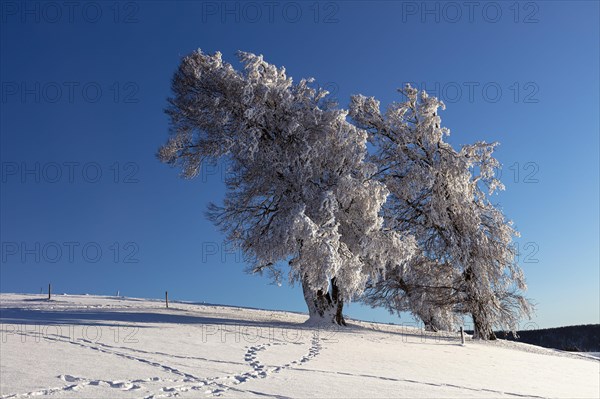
(298, 191)
(465, 262)
(423, 287)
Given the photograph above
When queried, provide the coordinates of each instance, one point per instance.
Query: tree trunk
(324, 307)
(430, 323)
(338, 303)
(482, 330)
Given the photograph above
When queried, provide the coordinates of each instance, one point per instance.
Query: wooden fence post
(167, 298)
(462, 336)
(49, 290)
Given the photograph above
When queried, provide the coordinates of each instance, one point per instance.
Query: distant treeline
(584, 338)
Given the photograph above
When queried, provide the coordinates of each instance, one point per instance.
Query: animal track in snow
(187, 382)
(219, 385)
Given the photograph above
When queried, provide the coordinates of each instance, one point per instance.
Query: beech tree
(299, 190)
(465, 262)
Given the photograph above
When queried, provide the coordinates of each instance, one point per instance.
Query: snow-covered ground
(91, 346)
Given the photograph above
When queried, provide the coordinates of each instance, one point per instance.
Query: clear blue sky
(83, 89)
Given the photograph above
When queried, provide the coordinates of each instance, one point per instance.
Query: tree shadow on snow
(124, 318)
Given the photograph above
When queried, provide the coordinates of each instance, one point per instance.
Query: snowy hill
(91, 346)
